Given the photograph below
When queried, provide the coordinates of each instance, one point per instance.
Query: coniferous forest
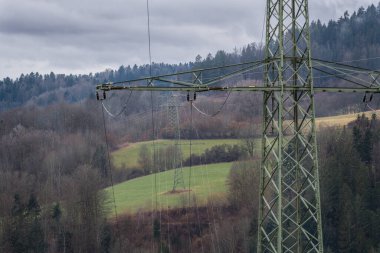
(54, 158)
(353, 38)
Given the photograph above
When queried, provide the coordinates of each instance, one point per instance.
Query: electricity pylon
(289, 207)
(290, 213)
(174, 127)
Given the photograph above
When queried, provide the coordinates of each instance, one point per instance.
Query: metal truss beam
(289, 209)
(110, 87)
(174, 128)
(355, 79)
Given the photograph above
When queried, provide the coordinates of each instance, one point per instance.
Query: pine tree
(26, 233)
(100, 161)
(345, 233)
(106, 239)
(35, 236)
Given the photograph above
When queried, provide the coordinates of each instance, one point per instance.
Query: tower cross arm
(358, 80)
(192, 78)
(253, 88)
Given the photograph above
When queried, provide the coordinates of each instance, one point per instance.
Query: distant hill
(351, 37)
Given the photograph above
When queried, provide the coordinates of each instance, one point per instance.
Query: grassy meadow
(206, 181)
(129, 154)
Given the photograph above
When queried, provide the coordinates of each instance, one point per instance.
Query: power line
(111, 179)
(155, 168)
(149, 42)
(359, 60)
(190, 169)
(209, 186)
(122, 110)
(217, 112)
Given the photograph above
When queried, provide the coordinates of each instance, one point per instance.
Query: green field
(129, 155)
(139, 193)
(206, 180)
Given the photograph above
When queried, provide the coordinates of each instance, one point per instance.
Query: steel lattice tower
(173, 117)
(290, 214)
(289, 206)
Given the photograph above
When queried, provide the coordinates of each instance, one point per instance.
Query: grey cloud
(333, 9)
(37, 19)
(90, 35)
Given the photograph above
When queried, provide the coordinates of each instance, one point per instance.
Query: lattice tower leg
(289, 208)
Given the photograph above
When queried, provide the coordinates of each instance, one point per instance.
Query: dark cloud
(90, 35)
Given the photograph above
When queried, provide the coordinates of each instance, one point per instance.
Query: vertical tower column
(173, 116)
(289, 212)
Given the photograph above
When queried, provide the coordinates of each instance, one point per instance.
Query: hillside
(207, 181)
(342, 120)
(352, 37)
(129, 154)
(58, 185)
(349, 194)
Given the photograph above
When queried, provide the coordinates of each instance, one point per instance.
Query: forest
(55, 161)
(353, 38)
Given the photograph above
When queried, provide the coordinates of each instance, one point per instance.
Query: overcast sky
(83, 36)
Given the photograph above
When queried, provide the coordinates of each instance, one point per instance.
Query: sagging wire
(263, 28)
(195, 200)
(160, 173)
(168, 214)
(189, 99)
(367, 102)
(124, 108)
(217, 112)
(112, 182)
(371, 108)
(155, 170)
(359, 60)
(209, 186)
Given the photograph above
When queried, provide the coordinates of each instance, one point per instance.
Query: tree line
(53, 167)
(352, 37)
(54, 159)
